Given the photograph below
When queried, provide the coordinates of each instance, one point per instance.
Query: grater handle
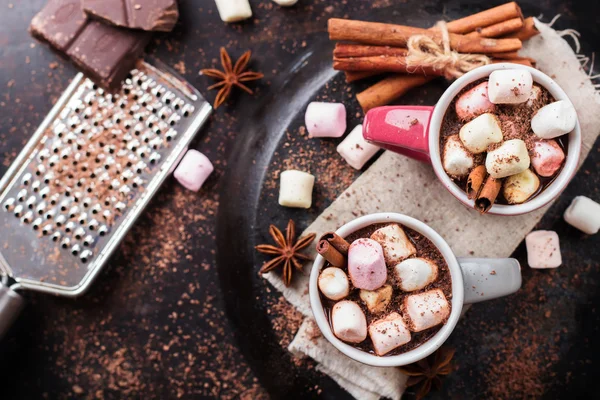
(11, 304)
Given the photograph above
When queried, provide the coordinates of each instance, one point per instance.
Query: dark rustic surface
(155, 324)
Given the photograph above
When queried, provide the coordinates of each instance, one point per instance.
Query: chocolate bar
(105, 53)
(148, 15)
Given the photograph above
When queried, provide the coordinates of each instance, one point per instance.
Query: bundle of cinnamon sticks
(368, 49)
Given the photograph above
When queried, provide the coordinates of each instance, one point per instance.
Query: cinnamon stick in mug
(475, 181)
(330, 253)
(338, 242)
(488, 194)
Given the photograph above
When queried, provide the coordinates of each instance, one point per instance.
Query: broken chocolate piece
(148, 15)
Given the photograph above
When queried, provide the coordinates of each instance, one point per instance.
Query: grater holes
(65, 243)
(28, 217)
(88, 240)
(21, 195)
(9, 204)
(103, 230)
(69, 227)
(36, 224)
(18, 211)
(27, 179)
(85, 256)
(55, 236)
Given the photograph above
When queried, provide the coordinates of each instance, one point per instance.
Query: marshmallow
(520, 187)
(509, 159)
(478, 134)
(377, 300)
(425, 310)
(325, 119)
(366, 265)
(193, 170)
(388, 333)
(233, 10)
(474, 102)
(547, 157)
(396, 245)
(584, 214)
(349, 322)
(295, 189)
(333, 283)
(543, 249)
(286, 3)
(415, 273)
(355, 149)
(510, 86)
(554, 119)
(456, 159)
(535, 96)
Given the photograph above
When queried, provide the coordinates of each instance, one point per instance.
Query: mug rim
(425, 349)
(549, 193)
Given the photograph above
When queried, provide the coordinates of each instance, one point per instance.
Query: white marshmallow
(474, 102)
(333, 283)
(536, 94)
(388, 333)
(396, 245)
(349, 322)
(584, 214)
(456, 159)
(355, 149)
(520, 187)
(426, 310)
(295, 189)
(510, 86)
(554, 119)
(543, 249)
(286, 3)
(325, 119)
(478, 134)
(416, 273)
(509, 159)
(366, 265)
(377, 300)
(233, 10)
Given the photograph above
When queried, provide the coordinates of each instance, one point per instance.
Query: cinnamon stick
(331, 254)
(485, 18)
(353, 76)
(389, 89)
(528, 30)
(488, 194)
(379, 34)
(382, 64)
(499, 29)
(338, 242)
(343, 50)
(475, 181)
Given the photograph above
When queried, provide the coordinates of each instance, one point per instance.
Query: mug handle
(402, 129)
(489, 278)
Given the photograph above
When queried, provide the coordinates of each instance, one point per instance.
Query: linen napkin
(467, 232)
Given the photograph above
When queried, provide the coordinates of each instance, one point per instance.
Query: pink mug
(414, 131)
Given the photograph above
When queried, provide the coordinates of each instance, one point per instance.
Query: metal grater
(86, 175)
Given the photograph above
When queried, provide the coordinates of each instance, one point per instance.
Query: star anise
(287, 251)
(428, 372)
(231, 76)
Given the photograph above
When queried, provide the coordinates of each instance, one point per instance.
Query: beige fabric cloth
(467, 232)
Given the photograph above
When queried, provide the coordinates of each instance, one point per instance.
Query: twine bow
(424, 51)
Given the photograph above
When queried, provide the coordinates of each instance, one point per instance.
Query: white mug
(420, 138)
(473, 280)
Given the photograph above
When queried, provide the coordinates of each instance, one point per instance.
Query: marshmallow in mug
(366, 265)
(415, 273)
(520, 187)
(543, 249)
(547, 157)
(233, 10)
(193, 170)
(295, 189)
(554, 119)
(426, 310)
(355, 149)
(396, 245)
(349, 322)
(388, 333)
(481, 132)
(509, 86)
(510, 158)
(325, 119)
(333, 283)
(456, 158)
(474, 102)
(377, 300)
(584, 214)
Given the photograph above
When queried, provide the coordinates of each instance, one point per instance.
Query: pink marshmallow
(543, 249)
(547, 157)
(193, 170)
(474, 102)
(366, 265)
(325, 119)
